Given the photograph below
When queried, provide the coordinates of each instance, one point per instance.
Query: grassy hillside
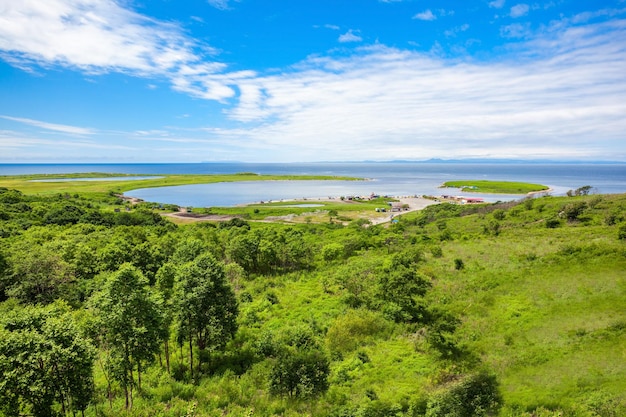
(513, 309)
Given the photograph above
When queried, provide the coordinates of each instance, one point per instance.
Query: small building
(472, 200)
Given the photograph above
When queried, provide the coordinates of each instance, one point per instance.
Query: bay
(385, 178)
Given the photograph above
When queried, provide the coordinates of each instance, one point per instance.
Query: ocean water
(388, 178)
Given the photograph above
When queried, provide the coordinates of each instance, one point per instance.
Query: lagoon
(392, 178)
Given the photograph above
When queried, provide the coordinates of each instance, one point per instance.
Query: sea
(380, 178)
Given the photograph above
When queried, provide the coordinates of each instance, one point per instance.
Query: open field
(29, 184)
(495, 187)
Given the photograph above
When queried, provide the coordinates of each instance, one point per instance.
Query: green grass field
(495, 187)
(536, 288)
(28, 185)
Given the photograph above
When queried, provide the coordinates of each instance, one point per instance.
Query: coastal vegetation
(46, 184)
(511, 309)
(495, 187)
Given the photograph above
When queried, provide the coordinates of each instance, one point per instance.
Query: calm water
(384, 178)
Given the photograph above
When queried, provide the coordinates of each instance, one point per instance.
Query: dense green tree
(64, 214)
(40, 275)
(300, 373)
(244, 249)
(45, 363)
(187, 250)
(165, 279)
(296, 253)
(11, 196)
(130, 325)
(332, 251)
(401, 286)
(206, 306)
(474, 396)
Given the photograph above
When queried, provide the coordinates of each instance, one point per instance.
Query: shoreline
(375, 218)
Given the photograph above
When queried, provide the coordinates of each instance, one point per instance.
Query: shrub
(459, 264)
(300, 373)
(552, 223)
(354, 329)
(500, 214)
(474, 396)
(573, 210)
(332, 251)
(621, 232)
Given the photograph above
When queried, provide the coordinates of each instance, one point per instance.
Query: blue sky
(311, 80)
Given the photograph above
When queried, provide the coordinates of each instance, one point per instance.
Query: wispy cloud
(350, 36)
(220, 4)
(425, 15)
(73, 130)
(92, 35)
(559, 92)
(450, 33)
(516, 30)
(587, 16)
(100, 36)
(519, 10)
(497, 4)
(18, 147)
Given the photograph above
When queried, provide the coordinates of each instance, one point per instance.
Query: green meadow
(507, 309)
(32, 184)
(495, 187)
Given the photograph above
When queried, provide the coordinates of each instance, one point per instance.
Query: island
(495, 187)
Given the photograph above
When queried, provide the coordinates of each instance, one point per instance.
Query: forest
(506, 309)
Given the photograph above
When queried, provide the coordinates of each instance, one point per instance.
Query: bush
(300, 374)
(552, 223)
(500, 214)
(354, 329)
(459, 264)
(332, 251)
(572, 211)
(474, 396)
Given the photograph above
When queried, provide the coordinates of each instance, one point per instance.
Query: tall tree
(44, 362)
(207, 308)
(165, 278)
(40, 275)
(130, 322)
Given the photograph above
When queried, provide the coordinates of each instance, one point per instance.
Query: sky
(311, 80)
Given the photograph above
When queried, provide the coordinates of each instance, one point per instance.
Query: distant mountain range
(496, 161)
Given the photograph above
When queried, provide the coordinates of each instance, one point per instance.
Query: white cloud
(516, 30)
(519, 10)
(350, 36)
(100, 36)
(559, 93)
(74, 130)
(456, 30)
(425, 15)
(497, 4)
(219, 4)
(587, 16)
(92, 35)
